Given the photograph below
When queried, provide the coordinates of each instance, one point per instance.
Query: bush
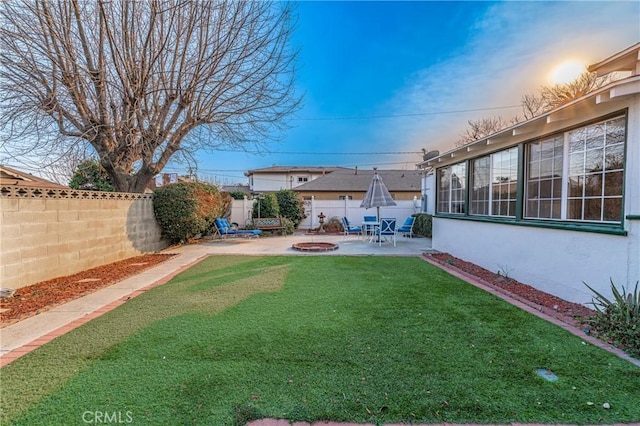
(422, 225)
(238, 195)
(618, 320)
(334, 225)
(186, 209)
(90, 175)
(289, 227)
(266, 206)
(291, 206)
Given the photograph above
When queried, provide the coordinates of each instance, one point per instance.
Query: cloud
(510, 52)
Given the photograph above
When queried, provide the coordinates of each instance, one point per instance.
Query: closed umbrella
(377, 195)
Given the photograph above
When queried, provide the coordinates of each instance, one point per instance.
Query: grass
(360, 339)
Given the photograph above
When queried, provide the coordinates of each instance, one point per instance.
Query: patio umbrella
(377, 194)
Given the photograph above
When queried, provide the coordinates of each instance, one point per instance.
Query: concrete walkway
(23, 337)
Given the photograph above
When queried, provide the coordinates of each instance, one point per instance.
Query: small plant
(618, 320)
(504, 271)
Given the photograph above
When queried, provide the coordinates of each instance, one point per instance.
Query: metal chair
(387, 230)
(348, 229)
(407, 227)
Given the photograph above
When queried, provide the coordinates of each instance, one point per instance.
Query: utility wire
(417, 114)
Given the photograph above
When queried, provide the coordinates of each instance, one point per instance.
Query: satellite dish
(431, 154)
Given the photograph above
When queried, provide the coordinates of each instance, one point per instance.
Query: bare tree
(547, 99)
(478, 129)
(143, 80)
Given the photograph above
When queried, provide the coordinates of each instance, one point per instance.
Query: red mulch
(31, 300)
(569, 312)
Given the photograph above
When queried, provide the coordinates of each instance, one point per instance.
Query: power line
(321, 153)
(417, 114)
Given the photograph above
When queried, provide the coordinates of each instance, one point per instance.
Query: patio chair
(369, 229)
(224, 229)
(387, 230)
(407, 227)
(348, 229)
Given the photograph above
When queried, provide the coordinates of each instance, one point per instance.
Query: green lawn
(361, 339)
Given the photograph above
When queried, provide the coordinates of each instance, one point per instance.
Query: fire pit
(315, 246)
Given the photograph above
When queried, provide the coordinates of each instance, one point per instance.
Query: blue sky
(396, 77)
(382, 77)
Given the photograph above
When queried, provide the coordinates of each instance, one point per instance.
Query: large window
(578, 175)
(451, 188)
(596, 162)
(494, 184)
(544, 178)
(575, 176)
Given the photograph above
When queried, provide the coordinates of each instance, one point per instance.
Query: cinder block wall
(46, 233)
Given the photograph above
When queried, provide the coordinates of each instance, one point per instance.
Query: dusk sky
(382, 77)
(397, 77)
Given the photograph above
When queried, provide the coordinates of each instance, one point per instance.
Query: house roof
(229, 188)
(625, 60)
(359, 180)
(616, 90)
(14, 177)
(295, 169)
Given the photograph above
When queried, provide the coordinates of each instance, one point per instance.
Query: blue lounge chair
(348, 229)
(407, 227)
(224, 229)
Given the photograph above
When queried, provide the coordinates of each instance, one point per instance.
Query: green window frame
(573, 179)
(451, 189)
(494, 184)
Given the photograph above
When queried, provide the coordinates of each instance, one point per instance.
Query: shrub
(266, 206)
(422, 225)
(334, 225)
(238, 195)
(291, 206)
(289, 227)
(618, 320)
(90, 175)
(186, 209)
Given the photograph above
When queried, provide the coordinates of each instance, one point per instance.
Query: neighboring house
(275, 178)
(353, 183)
(553, 201)
(13, 177)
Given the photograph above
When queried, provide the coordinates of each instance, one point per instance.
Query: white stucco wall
(557, 260)
(552, 260)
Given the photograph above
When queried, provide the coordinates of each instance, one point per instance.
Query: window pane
(593, 185)
(576, 186)
(592, 209)
(615, 133)
(614, 157)
(613, 183)
(612, 211)
(594, 136)
(594, 160)
(574, 209)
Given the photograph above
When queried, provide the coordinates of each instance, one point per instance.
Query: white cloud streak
(511, 51)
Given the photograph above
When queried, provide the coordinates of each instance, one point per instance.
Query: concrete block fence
(48, 233)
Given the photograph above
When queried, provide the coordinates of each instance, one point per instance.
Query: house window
(494, 181)
(451, 187)
(302, 179)
(579, 175)
(544, 178)
(345, 197)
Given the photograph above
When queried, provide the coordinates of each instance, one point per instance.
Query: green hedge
(422, 225)
(186, 209)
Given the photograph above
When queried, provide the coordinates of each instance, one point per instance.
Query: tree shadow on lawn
(343, 338)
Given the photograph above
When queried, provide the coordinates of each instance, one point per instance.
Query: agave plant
(618, 319)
